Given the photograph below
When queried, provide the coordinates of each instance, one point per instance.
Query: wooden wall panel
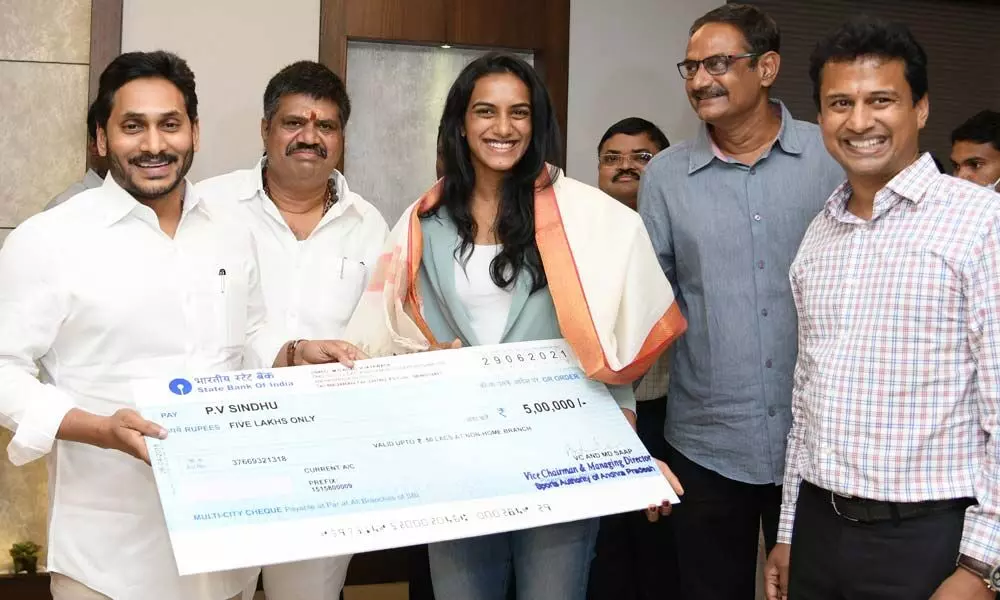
(552, 62)
(423, 21)
(105, 38)
(516, 24)
(333, 35)
(538, 26)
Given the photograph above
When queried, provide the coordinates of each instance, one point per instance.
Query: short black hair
(866, 36)
(140, 65)
(981, 128)
(636, 126)
(760, 31)
(312, 79)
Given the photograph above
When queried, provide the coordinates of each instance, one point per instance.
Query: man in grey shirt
(97, 166)
(726, 213)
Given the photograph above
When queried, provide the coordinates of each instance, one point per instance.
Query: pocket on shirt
(224, 312)
(349, 279)
(234, 313)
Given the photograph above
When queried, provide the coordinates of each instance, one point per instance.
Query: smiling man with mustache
(136, 279)
(726, 212)
(891, 489)
(317, 243)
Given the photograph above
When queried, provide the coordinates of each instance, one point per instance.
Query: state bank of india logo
(180, 387)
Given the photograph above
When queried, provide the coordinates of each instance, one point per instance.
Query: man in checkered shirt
(892, 480)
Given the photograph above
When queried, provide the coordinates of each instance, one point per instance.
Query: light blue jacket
(531, 317)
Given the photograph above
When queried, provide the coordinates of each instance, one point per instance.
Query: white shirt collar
(117, 203)
(252, 186)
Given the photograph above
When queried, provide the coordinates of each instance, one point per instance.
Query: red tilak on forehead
(312, 115)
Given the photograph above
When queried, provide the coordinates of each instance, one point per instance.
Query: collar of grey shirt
(702, 153)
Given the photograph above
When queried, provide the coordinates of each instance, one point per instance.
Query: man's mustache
(147, 158)
(316, 149)
(625, 173)
(710, 92)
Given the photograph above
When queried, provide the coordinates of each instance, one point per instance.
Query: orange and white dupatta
(614, 305)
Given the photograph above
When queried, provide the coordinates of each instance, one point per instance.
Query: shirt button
(768, 363)
(772, 411)
(756, 217)
(763, 312)
(760, 264)
(753, 170)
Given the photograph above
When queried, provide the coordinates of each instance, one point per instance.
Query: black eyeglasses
(612, 159)
(717, 64)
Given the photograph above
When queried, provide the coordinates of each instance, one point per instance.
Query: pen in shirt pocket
(343, 262)
(222, 281)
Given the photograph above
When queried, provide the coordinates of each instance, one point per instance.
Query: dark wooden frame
(105, 38)
(537, 26)
(105, 43)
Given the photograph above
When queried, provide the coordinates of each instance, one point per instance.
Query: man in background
(975, 150)
(635, 558)
(622, 155)
(98, 166)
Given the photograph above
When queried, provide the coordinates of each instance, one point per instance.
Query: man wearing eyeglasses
(726, 212)
(622, 156)
(627, 545)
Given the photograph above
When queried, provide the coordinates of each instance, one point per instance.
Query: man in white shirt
(316, 242)
(97, 166)
(123, 283)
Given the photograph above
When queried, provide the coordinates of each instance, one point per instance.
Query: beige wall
(621, 64)
(44, 52)
(44, 55)
(233, 47)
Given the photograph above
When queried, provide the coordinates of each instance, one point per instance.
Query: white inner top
(486, 304)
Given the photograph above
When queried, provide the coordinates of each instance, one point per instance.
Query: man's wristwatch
(989, 575)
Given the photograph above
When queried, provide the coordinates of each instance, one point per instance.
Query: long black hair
(515, 225)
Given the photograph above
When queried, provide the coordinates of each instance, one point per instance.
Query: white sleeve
(33, 306)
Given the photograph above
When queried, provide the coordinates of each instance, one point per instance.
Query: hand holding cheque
(126, 429)
(279, 465)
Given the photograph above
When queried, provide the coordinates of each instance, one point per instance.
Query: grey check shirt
(725, 234)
